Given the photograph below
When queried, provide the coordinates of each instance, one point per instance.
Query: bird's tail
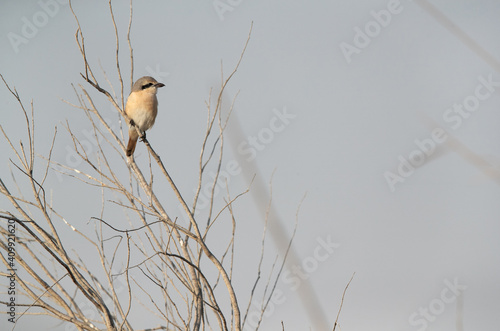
(132, 141)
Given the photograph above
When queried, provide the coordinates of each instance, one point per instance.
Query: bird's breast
(142, 108)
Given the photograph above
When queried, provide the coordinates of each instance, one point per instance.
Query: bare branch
(342, 302)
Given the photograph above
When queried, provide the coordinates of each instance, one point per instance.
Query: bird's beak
(159, 84)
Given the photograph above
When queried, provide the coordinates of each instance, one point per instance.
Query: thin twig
(342, 302)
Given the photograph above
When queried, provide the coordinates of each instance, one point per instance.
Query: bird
(141, 108)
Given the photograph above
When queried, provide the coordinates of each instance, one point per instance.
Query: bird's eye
(147, 85)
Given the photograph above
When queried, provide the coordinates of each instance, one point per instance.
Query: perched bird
(141, 108)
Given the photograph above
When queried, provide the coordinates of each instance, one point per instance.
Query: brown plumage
(141, 108)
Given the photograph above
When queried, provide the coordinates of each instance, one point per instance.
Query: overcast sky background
(353, 117)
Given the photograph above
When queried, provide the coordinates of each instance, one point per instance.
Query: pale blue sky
(350, 123)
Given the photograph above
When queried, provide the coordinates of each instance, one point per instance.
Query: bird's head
(146, 83)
